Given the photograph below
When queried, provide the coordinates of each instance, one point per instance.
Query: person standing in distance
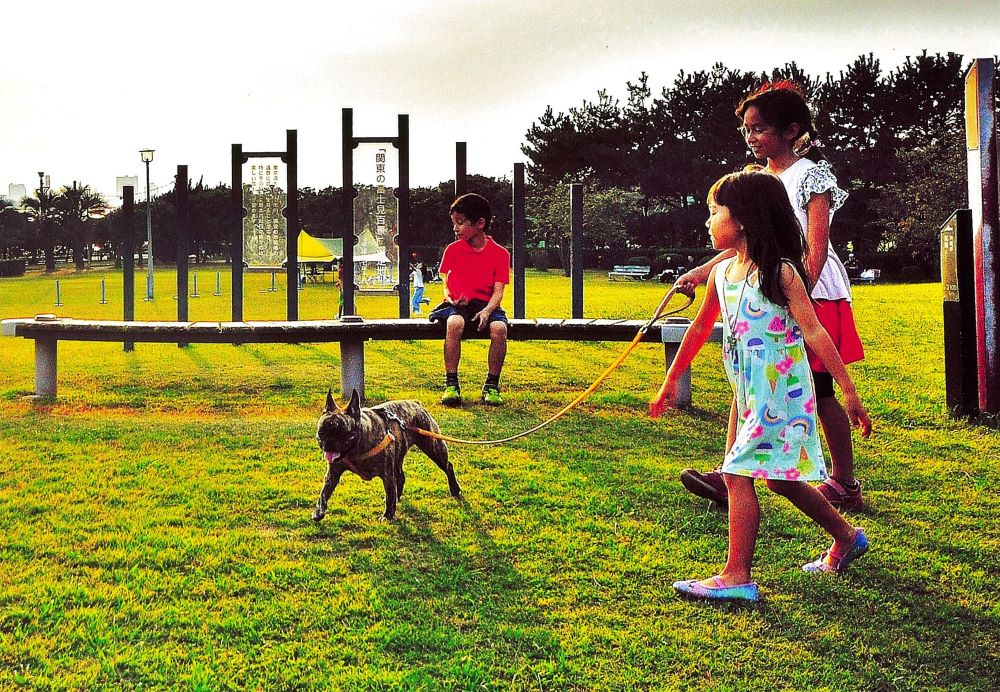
(417, 277)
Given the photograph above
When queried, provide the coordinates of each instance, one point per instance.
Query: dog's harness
(387, 416)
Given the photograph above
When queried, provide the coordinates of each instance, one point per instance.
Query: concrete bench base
(351, 332)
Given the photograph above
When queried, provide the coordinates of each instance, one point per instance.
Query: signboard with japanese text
(376, 217)
(264, 227)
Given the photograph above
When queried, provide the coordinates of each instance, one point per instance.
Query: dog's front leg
(391, 494)
(333, 474)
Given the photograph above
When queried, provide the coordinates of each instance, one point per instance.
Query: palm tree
(12, 228)
(41, 212)
(76, 206)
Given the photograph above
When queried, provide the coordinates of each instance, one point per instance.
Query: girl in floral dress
(778, 128)
(768, 318)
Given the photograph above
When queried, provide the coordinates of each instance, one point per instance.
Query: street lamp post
(42, 189)
(147, 156)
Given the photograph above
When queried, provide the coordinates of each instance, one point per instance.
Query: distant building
(16, 193)
(123, 180)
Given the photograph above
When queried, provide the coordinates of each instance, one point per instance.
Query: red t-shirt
(472, 272)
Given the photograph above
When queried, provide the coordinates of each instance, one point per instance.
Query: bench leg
(352, 367)
(684, 384)
(45, 366)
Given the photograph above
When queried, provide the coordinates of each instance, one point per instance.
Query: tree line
(895, 140)
(73, 221)
(39, 221)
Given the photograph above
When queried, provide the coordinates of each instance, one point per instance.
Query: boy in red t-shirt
(474, 270)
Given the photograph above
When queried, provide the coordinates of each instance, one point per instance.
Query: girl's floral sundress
(765, 360)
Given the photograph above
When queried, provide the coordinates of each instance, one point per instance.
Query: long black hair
(781, 105)
(758, 201)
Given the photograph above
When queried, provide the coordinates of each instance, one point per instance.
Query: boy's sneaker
(491, 396)
(842, 497)
(710, 485)
(452, 396)
(830, 562)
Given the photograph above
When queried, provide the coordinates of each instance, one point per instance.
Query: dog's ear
(354, 408)
(331, 405)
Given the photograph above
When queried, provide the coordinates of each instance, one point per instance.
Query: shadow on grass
(449, 584)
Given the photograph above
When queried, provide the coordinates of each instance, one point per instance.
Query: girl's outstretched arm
(822, 345)
(818, 217)
(694, 338)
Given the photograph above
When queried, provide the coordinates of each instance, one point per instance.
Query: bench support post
(352, 367)
(45, 366)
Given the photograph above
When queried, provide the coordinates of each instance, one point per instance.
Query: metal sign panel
(376, 217)
(264, 227)
(949, 259)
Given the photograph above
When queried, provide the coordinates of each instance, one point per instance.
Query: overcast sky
(85, 85)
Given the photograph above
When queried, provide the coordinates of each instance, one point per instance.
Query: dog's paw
(318, 515)
(387, 519)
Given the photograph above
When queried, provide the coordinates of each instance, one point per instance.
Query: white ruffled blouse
(802, 180)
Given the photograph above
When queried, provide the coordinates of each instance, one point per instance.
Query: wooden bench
(629, 272)
(351, 333)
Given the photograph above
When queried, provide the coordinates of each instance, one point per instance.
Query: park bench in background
(48, 330)
(867, 276)
(629, 272)
(857, 274)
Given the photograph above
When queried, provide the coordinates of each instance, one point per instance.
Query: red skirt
(837, 318)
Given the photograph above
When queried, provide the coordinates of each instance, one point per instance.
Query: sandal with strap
(829, 561)
(720, 592)
(840, 496)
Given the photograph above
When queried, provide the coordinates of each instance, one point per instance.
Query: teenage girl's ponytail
(808, 146)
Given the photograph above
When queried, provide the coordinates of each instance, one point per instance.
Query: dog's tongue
(331, 456)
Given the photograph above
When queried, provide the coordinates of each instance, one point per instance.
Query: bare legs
(837, 432)
(453, 345)
(744, 522)
(808, 500)
(498, 347)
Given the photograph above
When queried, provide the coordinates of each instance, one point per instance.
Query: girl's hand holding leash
(691, 279)
(687, 282)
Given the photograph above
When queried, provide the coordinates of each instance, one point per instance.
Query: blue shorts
(445, 310)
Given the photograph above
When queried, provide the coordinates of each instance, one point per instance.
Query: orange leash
(590, 390)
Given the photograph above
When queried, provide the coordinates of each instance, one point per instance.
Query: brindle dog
(372, 442)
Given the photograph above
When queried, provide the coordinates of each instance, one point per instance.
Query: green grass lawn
(155, 520)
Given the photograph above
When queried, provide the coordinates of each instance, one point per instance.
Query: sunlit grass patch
(155, 519)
